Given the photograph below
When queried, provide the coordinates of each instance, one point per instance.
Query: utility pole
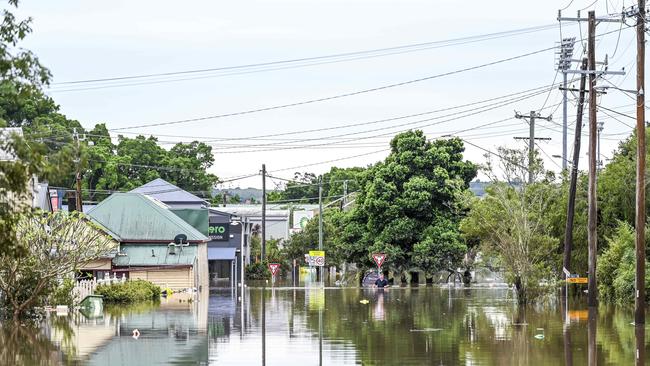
(564, 64)
(593, 130)
(76, 137)
(320, 221)
(263, 255)
(345, 193)
(531, 140)
(592, 212)
(639, 280)
(568, 230)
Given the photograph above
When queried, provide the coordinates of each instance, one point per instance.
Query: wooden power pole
(263, 255)
(568, 230)
(531, 140)
(639, 280)
(592, 236)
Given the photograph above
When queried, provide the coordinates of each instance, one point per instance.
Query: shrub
(257, 271)
(129, 291)
(616, 267)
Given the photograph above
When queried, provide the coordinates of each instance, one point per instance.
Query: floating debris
(364, 301)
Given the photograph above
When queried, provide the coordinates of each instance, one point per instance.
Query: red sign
(274, 267)
(379, 258)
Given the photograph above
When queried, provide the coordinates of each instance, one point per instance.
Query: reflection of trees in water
(474, 327)
(26, 345)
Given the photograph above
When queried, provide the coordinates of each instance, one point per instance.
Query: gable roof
(164, 191)
(134, 217)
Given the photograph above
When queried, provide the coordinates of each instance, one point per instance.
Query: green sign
(219, 231)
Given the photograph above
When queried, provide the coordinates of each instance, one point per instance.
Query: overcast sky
(83, 40)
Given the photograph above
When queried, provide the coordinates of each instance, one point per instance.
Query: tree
(512, 225)
(58, 244)
(304, 187)
(616, 267)
(408, 206)
(302, 242)
(616, 194)
(21, 99)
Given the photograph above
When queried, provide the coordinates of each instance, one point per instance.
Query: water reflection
(308, 326)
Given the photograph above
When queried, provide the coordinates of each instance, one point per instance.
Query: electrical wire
(338, 96)
(454, 41)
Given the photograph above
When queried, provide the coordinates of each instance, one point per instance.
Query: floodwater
(334, 326)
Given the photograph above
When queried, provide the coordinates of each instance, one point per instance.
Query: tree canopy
(408, 206)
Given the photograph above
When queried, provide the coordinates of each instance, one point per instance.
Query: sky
(89, 40)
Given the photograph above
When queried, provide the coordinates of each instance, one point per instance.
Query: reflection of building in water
(171, 332)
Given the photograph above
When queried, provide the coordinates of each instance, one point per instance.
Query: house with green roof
(148, 232)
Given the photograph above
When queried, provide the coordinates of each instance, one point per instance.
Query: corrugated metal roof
(164, 191)
(136, 217)
(155, 255)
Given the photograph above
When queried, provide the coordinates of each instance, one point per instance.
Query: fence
(84, 288)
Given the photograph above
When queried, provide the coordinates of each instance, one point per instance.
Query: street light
(560, 157)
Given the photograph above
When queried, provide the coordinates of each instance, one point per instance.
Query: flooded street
(311, 326)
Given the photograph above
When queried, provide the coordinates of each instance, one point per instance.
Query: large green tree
(408, 206)
(21, 99)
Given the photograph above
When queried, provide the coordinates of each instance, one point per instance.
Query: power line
(441, 43)
(412, 124)
(363, 91)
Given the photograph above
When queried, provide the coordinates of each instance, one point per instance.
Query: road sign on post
(316, 258)
(274, 268)
(379, 259)
(577, 280)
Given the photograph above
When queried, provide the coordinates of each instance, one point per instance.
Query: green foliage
(408, 206)
(258, 271)
(21, 99)
(616, 267)
(302, 242)
(129, 291)
(62, 295)
(616, 189)
(513, 225)
(304, 187)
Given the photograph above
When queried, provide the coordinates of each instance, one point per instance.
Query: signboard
(577, 280)
(300, 219)
(274, 268)
(578, 315)
(219, 231)
(379, 258)
(315, 258)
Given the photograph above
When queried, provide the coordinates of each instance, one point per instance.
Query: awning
(221, 254)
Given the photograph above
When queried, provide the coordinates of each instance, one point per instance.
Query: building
(229, 233)
(229, 247)
(148, 232)
(171, 195)
(277, 220)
